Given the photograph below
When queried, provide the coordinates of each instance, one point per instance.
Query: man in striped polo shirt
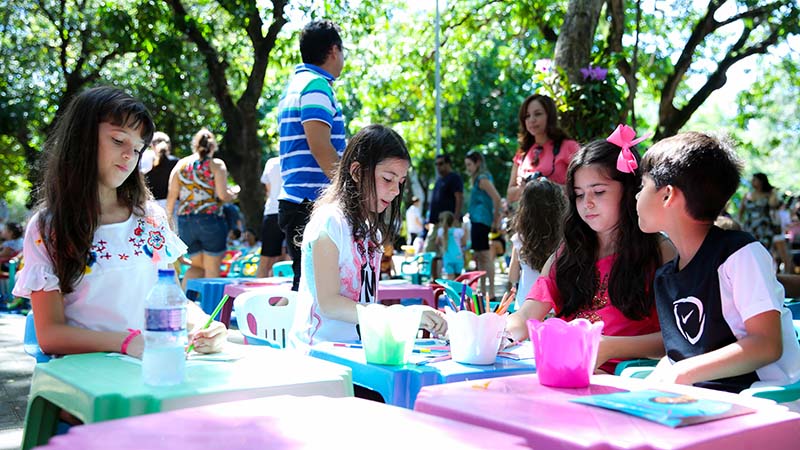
(311, 127)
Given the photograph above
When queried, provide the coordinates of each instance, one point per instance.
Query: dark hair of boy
(316, 41)
(706, 169)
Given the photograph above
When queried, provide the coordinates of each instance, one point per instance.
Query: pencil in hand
(210, 319)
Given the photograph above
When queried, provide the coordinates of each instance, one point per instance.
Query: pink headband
(623, 136)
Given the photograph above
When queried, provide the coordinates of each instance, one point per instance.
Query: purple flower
(594, 73)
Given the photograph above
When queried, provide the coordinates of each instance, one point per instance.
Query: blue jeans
(205, 233)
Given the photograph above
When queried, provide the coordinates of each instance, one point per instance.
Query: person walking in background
(158, 177)
(197, 187)
(544, 148)
(414, 226)
(447, 195)
(448, 192)
(272, 237)
(484, 215)
(758, 216)
(451, 239)
(312, 132)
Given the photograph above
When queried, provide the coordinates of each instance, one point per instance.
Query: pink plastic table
(385, 291)
(234, 290)
(399, 291)
(285, 422)
(542, 415)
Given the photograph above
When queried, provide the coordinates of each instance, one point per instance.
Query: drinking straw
(211, 318)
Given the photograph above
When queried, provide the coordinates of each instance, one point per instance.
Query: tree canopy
(223, 64)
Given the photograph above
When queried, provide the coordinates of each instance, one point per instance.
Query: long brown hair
(555, 133)
(369, 147)
(538, 221)
(638, 255)
(70, 205)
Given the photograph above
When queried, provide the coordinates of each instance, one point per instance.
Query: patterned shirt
(309, 96)
(198, 193)
(121, 269)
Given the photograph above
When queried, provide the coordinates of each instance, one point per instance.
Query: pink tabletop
(285, 422)
(234, 290)
(386, 291)
(390, 290)
(543, 415)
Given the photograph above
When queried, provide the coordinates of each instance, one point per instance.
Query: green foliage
(589, 110)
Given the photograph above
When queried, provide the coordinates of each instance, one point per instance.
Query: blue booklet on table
(667, 408)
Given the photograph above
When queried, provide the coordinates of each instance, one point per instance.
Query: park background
(658, 65)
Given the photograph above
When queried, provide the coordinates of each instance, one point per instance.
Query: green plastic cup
(388, 333)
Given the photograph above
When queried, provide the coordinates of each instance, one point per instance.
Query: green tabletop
(97, 386)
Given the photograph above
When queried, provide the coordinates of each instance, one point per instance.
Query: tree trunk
(575, 39)
(242, 153)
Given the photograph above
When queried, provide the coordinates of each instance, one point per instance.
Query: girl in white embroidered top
(341, 247)
(92, 249)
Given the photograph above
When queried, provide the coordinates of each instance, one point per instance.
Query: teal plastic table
(399, 385)
(97, 386)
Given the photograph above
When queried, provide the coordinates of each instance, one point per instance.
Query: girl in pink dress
(604, 268)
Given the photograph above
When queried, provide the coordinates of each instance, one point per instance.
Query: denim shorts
(205, 233)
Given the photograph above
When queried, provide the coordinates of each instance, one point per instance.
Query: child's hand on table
(666, 372)
(208, 340)
(433, 321)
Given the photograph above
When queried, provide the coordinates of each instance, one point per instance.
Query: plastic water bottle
(165, 337)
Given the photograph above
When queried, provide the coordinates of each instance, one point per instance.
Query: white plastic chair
(263, 322)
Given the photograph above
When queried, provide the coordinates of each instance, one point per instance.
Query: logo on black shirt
(690, 318)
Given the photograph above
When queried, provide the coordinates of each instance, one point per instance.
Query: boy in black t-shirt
(719, 304)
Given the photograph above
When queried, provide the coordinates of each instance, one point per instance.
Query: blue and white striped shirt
(308, 96)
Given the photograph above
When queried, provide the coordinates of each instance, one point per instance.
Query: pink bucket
(565, 352)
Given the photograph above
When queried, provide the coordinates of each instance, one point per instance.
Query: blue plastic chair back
(424, 263)
(282, 269)
(452, 289)
(30, 343)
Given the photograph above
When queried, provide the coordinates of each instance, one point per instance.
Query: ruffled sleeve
(162, 244)
(37, 273)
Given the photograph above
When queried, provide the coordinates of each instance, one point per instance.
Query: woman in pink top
(544, 148)
(605, 266)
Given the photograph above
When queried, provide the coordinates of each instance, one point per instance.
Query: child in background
(605, 266)
(537, 233)
(451, 240)
(12, 240)
(249, 242)
(719, 303)
(93, 248)
(341, 247)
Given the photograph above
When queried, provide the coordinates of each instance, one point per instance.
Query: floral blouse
(121, 268)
